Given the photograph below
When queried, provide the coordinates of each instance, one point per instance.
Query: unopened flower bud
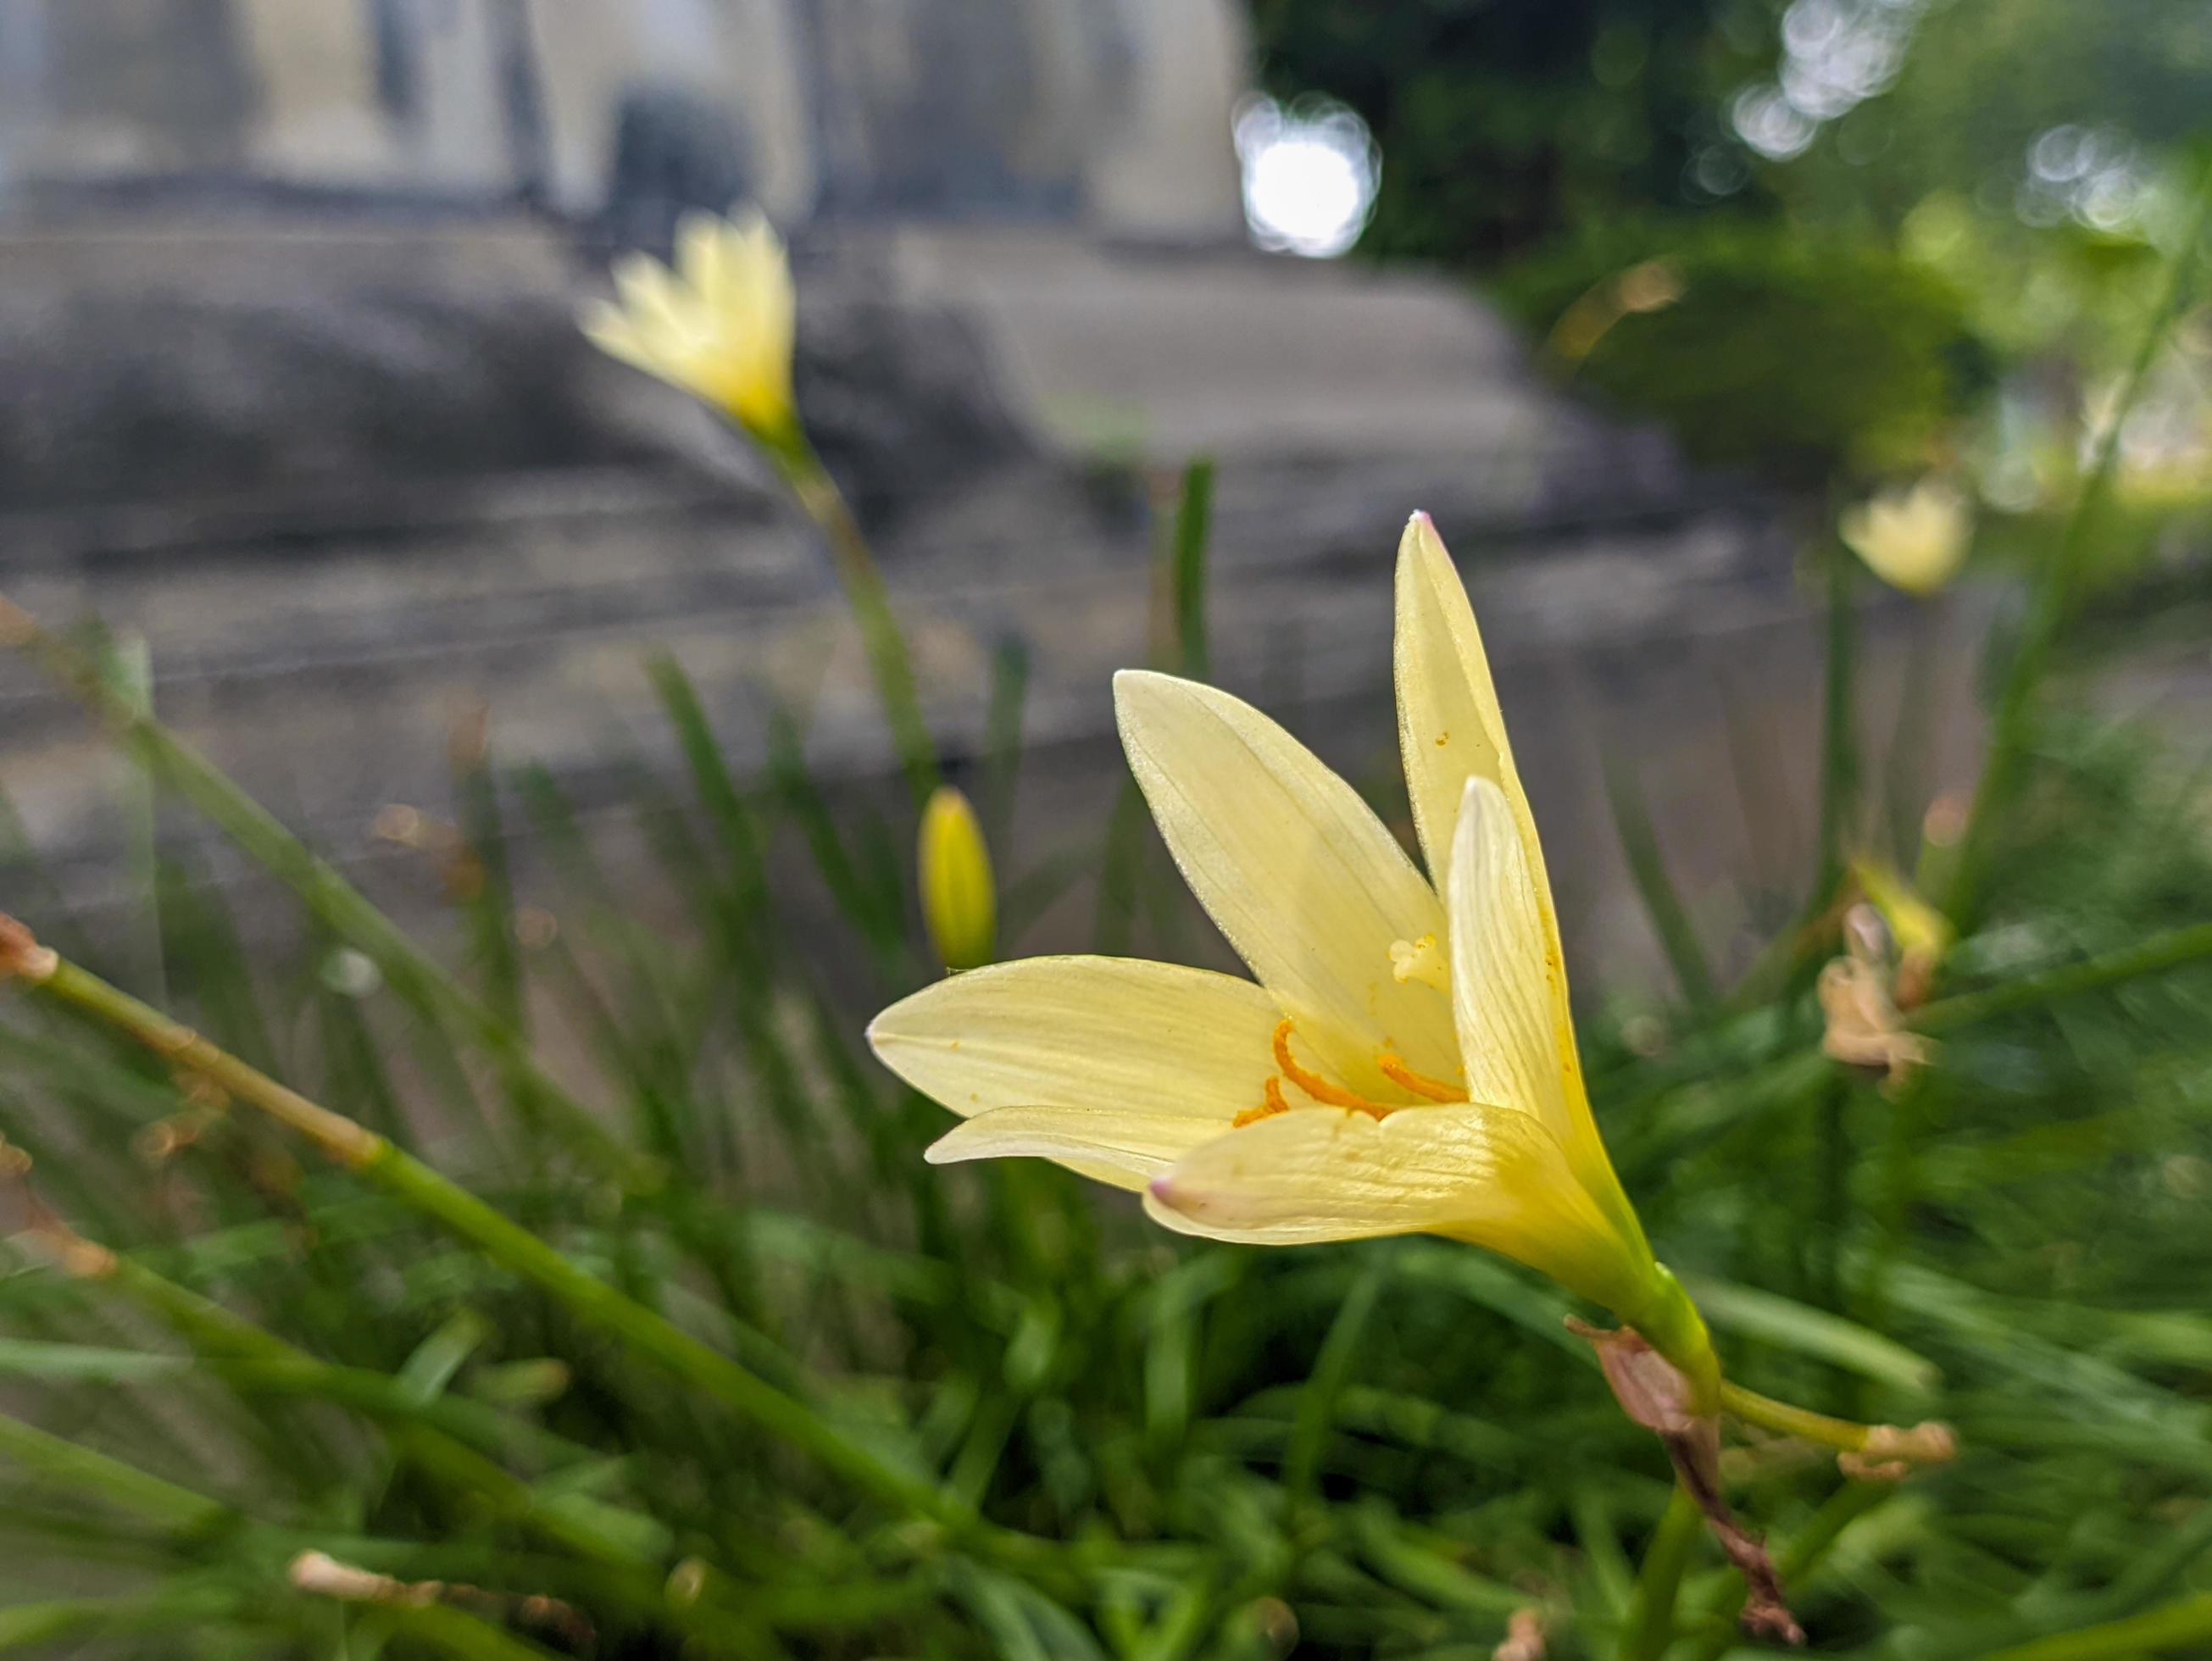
(959, 903)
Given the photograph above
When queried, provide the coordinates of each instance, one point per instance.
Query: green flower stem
(889, 661)
(1671, 1324)
(1844, 1434)
(514, 1248)
(2053, 596)
(1652, 1615)
(1928, 1443)
(2186, 1622)
(410, 972)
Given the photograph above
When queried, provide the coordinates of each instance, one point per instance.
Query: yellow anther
(1420, 1083)
(1421, 960)
(1329, 1095)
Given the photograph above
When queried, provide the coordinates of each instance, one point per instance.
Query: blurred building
(1109, 113)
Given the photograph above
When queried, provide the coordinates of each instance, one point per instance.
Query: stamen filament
(1330, 1095)
(1420, 1083)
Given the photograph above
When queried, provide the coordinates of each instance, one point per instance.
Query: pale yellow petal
(1490, 1176)
(761, 266)
(1449, 726)
(1308, 886)
(1128, 1149)
(700, 256)
(609, 327)
(1450, 729)
(1503, 967)
(649, 293)
(1508, 992)
(1106, 1033)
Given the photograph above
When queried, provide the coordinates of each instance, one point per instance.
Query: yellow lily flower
(720, 324)
(1914, 539)
(1405, 1062)
(960, 901)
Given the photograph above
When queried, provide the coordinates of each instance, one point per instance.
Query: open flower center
(1329, 1093)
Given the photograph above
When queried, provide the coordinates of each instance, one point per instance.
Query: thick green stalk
(506, 1243)
(1929, 1444)
(2054, 592)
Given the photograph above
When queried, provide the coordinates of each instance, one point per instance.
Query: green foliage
(1174, 1450)
(1801, 354)
(649, 1332)
(1502, 127)
(1983, 79)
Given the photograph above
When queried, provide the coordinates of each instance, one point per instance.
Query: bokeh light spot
(1310, 172)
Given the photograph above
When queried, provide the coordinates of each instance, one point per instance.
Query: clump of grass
(675, 1346)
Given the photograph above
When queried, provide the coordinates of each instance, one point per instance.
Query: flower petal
(1494, 1177)
(1508, 993)
(760, 268)
(1110, 1034)
(609, 328)
(1449, 726)
(1450, 731)
(1128, 1149)
(1310, 887)
(702, 258)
